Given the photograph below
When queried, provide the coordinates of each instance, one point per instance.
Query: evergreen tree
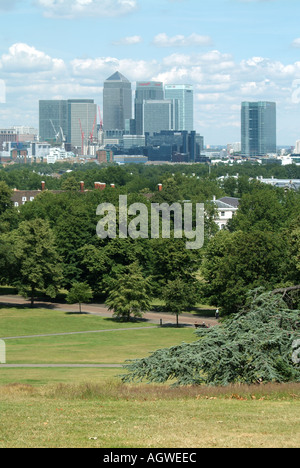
(256, 346)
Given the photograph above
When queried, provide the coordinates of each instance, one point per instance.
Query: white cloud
(296, 43)
(163, 40)
(220, 83)
(22, 57)
(77, 8)
(130, 40)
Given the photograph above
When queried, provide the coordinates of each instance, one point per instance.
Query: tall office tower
(66, 121)
(82, 121)
(258, 128)
(117, 102)
(53, 120)
(185, 96)
(160, 115)
(146, 91)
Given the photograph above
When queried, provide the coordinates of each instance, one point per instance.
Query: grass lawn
(25, 321)
(109, 347)
(113, 415)
(91, 407)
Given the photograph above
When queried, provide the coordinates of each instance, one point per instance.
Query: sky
(229, 50)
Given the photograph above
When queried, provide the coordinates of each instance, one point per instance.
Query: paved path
(102, 310)
(74, 333)
(35, 366)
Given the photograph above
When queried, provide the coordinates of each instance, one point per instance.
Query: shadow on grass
(37, 305)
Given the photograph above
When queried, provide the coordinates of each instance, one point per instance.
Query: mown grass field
(113, 415)
(91, 407)
(116, 342)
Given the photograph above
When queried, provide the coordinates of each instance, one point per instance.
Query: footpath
(159, 318)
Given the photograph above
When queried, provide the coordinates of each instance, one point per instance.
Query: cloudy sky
(229, 50)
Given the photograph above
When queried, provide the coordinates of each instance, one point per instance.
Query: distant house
(20, 197)
(227, 207)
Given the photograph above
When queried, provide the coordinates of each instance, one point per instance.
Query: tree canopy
(255, 346)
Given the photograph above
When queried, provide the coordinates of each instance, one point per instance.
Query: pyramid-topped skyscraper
(117, 102)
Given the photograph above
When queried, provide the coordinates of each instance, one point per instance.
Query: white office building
(185, 96)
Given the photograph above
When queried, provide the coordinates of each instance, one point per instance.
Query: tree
(256, 346)
(235, 263)
(80, 293)
(178, 297)
(38, 265)
(5, 197)
(130, 294)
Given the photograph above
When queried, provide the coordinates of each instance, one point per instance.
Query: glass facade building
(160, 115)
(81, 112)
(146, 91)
(258, 128)
(53, 116)
(60, 120)
(185, 96)
(117, 102)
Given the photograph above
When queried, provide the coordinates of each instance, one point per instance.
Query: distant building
(67, 121)
(53, 120)
(160, 115)
(288, 184)
(82, 117)
(184, 94)
(258, 128)
(131, 141)
(105, 156)
(130, 159)
(6, 136)
(226, 207)
(117, 102)
(146, 91)
(175, 146)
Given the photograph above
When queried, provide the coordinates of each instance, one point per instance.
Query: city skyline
(230, 51)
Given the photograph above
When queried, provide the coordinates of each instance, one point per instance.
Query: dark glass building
(117, 102)
(258, 128)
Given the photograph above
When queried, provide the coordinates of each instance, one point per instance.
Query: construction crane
(56, 133)
(100, 119)
(92, 133)
(82, 138)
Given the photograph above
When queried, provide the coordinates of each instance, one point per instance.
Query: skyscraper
(160, 115)
(82, 115)
(258, 128)
(53, 119)
(117, 102)
(185, 96)
(146, 91)
(64, 121)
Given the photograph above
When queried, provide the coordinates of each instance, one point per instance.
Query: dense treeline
(51, 243)
(136, 177)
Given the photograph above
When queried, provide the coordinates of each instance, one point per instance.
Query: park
(104, 339)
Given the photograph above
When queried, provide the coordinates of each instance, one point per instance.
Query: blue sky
(229, 50)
